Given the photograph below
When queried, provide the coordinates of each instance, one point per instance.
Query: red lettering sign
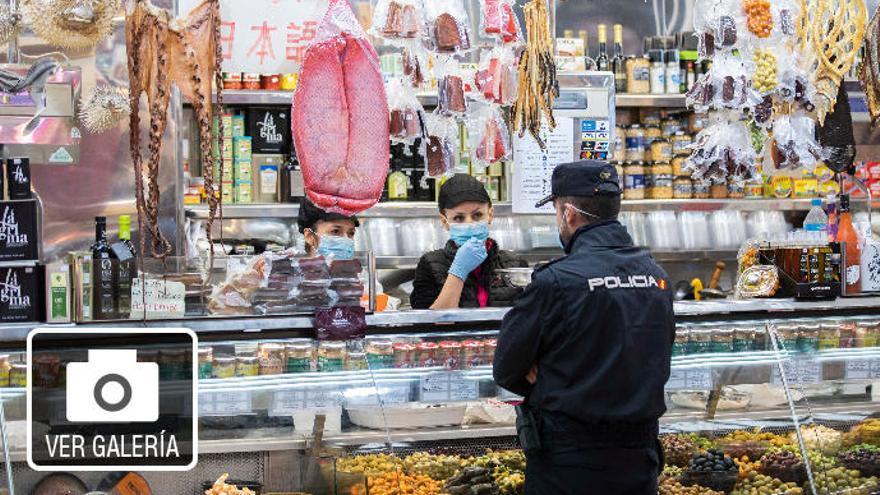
(263, 44)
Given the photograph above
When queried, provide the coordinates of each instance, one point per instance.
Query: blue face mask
(337, 247)
(459, 233)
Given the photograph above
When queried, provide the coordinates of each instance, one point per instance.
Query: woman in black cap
(463, 274)
(327, 233)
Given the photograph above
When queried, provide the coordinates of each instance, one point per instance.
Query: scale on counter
(584, 114)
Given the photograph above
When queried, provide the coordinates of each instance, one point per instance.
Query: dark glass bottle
(618, 63)
(602, 61)
(125, 268)
(103, 300)
(291, 179)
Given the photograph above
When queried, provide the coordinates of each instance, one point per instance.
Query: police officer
(588, 344)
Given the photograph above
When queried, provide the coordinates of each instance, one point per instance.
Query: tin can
(232, 80)
(472, 353)
(250, 80)
(426, 353)
(270, 81)
(450, 355)
(223, 366)
(247, 366)
(288, 81)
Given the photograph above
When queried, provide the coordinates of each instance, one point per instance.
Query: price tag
(858, 369)
(225, 403)
(690, 379)
(677, 380)
(448, 386)
(154, 298)
(394, 394)
(804, 371)
(285, 402)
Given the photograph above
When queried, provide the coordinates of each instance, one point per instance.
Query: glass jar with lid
(634, 180)
(331, 356)
(247, 366)
(661, 150)
(426, 354)
(829, 336)
(722, 339)
(659, 183)
(680, 142)
(404, 355)
(206, 362)
(872, 333)
(300, 357)
(46, 371)
(650, 117)
(638, 75)
(652, 133)
(788, 337)
(682, 188)
(700, 340)
(701, 190)
(808, 339)
(743, 339)
(619, 153)
(670, 126)
(471, 353)
(635, 143)
(357, 361)
(450, 354)
(489, 346)
(18, 375)
(223, 366)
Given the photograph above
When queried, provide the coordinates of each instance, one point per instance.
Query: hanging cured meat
(340, 116)
(187, 52)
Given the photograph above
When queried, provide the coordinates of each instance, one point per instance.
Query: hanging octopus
(187, 52)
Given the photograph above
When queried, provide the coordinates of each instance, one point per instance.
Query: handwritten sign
(534, 166)
(154, 298)
(265, 36)
(804, 371)
(225, 403)
(448, 386)
(690, 379)
(862, 369)
(285, 402)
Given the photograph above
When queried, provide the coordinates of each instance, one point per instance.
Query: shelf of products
(423, 209)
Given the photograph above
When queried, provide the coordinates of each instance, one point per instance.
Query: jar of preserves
(735, 190)
(357, 361)
(4, 370)
(247, 366)
(450, 355)
(331, 356)
(272, 358)
(270, 82)
(175, 364)
(426, 354)
(380, 354)
(619, 153)
(638, 75)
(680, 345)
(829, 336)
(250, 81)
(635, 143)
(652, 133)
(682, 188)
(649, 116)
(206, 360)
(661, 150)
(18, 375)
(300, 357)
(659, 185)
(223, 367)
(288, 81)
(680, 142)
(808, 337)
(404, 355)
(722, 340)
(788, 337)
(743, 339)
(471, 354)
(232, 80)
(47, 370)
(678, 167)
(701, 190)
(634, 180)
(753, 189)
(489, 346)
(718, 190)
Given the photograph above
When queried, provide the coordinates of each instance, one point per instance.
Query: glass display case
(414, 403)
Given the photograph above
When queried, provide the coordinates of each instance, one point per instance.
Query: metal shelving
(416, 209)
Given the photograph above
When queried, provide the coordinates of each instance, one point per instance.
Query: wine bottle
(618, 63)
(602, 61)
(102, 269)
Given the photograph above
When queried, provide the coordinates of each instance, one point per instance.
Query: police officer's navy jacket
(599, 322)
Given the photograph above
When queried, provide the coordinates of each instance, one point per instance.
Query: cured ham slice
(340, 117)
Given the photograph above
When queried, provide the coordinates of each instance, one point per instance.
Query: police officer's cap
(584, 178)
(461, 188)
(309, 215)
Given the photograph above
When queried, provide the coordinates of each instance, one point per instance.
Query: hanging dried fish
(870, 73)
(73, 24)
(104, 108)
(537, 75)
(834, 29)
(187, 52)
(10, 23)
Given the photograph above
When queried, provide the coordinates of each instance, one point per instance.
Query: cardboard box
(18, 178)
(269, 129)
(237, 126)
(806, 188)
(228, 146)
(19, 233)
(242, 150)
(21, 294)
(227, 193)
(58, 293)
(244, 192)
(244, 171)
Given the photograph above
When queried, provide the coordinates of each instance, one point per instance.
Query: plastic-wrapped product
(499, 20)
(446, 26)
(441, 148)
(489, 136)
(765, 79)
(413, 63)
(718, 24)
(496, 78)
(759, 17)
(726, 85)
(723, 151)
(396, 19)
(452, 100)
(407, 114)
(793, 147)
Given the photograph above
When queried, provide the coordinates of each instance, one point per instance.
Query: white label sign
(534, 166)
(285, 402)
(690, 379)
(448, 386)
(804, 371)
(224, 403)
(161, 299)
(265, 36)
(863, 369)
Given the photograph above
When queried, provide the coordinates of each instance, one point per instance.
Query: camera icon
(112, 387)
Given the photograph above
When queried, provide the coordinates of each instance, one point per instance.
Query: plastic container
(817, 220)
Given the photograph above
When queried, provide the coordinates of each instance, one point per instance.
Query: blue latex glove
(470, 255)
